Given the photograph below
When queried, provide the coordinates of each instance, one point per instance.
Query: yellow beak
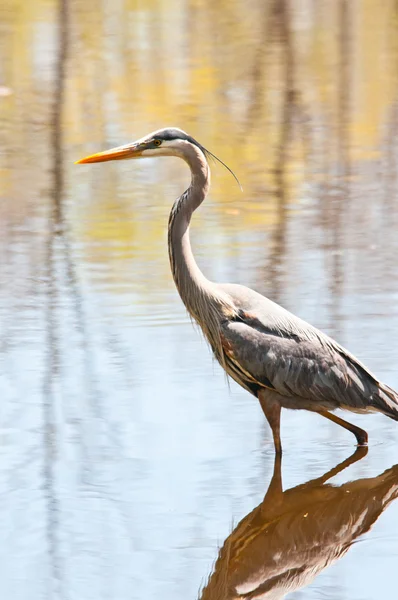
(120, 153)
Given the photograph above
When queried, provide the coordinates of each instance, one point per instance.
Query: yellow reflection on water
(285, 93)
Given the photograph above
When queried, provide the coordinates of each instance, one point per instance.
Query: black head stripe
(174, 134)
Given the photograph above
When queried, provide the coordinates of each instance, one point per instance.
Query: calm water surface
(127, 462)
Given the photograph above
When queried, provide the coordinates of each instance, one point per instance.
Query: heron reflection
(293, 535)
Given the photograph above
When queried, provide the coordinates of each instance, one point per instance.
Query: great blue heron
(286, 541)
(280, 359)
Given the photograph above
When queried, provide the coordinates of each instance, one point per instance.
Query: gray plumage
(276, 356)
(286, 354)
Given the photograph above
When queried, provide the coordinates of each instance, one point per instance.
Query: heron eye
(157, 142)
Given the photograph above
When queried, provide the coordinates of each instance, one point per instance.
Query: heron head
(170, 141)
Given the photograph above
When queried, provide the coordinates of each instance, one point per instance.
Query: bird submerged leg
(272, 411)
(275, 487)
(360, 434)
(359, 454)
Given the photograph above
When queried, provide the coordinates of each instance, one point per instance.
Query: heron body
(279, 358)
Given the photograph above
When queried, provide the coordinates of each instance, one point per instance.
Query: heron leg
(360, 434)
(272, 410)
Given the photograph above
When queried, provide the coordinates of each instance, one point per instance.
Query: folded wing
(303, 364)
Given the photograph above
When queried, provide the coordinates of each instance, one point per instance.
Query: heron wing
(296, 361)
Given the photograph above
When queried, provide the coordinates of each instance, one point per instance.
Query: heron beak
(119, 153)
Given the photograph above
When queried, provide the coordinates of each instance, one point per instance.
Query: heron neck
(204, 300)
(192, 285)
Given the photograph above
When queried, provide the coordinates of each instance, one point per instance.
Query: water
(126, 458)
